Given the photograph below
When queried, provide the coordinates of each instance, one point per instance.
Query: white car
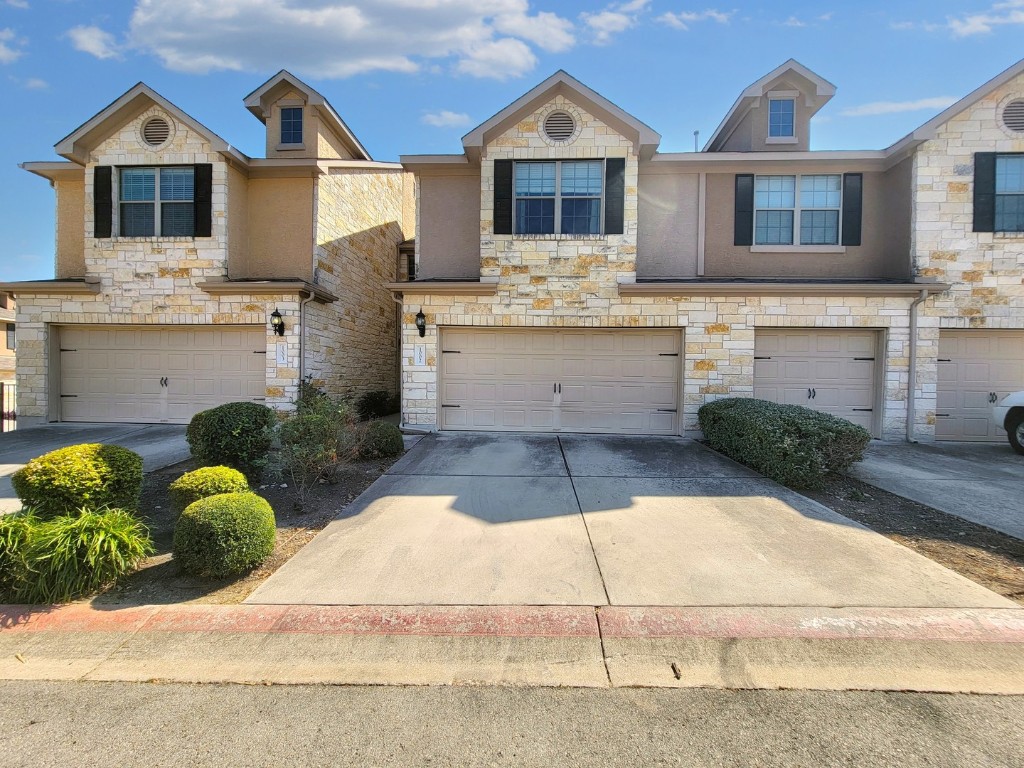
(1009, 414)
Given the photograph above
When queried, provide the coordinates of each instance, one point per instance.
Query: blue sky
(412, 76)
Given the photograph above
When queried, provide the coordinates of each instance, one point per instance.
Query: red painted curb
(73, 618)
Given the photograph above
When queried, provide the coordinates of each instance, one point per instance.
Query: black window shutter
(503, 197)
(203, 200)
(102, 201)
(984, 191)
(853, 206)
(615, 195)
(743, 219)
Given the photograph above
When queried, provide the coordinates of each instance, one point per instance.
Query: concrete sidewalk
(950, 650)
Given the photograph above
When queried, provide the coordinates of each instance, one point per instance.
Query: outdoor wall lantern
(277, 322)
(421, 323)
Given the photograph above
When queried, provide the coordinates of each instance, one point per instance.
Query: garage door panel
(973, 365)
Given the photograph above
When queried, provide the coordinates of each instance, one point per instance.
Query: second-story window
(781, 117)
(291, 125)
(157, 202)
(559, 197)
(1009, 193)
(778, 207)
(11, 337)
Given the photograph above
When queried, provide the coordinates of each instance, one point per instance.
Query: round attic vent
(1013, 116)
(155, 131)
(559, 126)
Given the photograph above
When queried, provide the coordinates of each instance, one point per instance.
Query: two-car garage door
(157, 374)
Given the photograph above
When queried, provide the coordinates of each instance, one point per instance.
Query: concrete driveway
(980, 482)
(488, 519)
(159, 445)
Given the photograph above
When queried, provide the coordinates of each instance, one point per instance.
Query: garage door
(830, 371)
(975, 368)
(159, 374)
(569, 380)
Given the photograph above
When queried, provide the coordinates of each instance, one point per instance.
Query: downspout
(398, 345)
(912, 373)
(302, 335)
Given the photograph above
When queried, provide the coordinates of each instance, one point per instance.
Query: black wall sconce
(277, 322)
(421, 323)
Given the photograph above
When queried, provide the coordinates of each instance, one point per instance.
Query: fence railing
(8, 412)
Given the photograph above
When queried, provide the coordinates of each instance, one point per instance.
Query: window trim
(11, 337)
(155, 202)
(790, 138)
(796, 246)
(558, 198)
(996, 194)
(282, 144)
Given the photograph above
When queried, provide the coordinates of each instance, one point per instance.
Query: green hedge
(203, 482)
(790, 444)
(381, 440)
(236, 435)
(91, 475)
(224, 535)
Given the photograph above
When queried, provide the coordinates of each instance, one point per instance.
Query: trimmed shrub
(790, 444)
(15, 530)
(90, 475)
(200, 483)
(236, 435)
(375, 405)
(224, 535)
(381, 440)
(72, 556)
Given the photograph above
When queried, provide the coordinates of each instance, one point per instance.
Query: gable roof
(644, 138)
(823, 90)
(133, 102)
(258, 102)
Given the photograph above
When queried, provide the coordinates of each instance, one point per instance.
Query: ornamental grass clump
(224, 535)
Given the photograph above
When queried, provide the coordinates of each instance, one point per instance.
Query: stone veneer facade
(350, 344)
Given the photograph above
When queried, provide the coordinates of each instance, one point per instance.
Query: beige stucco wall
(328, 144)
(238, 222)
(70, 228)
(667, 215)
(280, 229)
(448, 241)
(985, 269)
(318, 140)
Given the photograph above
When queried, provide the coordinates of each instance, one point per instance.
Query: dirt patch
(992, 559)
(159, 581)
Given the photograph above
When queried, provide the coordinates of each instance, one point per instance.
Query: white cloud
(18, 3)
(999, 14)
(793, 21)
(94, 41)
(8, 52)
(340, 38)
(615, 18)
(685, 19)
(36, 84)
(892, 107)
(446, 119)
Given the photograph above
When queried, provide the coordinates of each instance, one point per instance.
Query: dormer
(774, 114)
(301, 123)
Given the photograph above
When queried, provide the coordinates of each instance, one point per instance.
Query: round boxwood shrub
(91, 475)
(224, 535)
(381, 441)
(203, 482)
(236, 435)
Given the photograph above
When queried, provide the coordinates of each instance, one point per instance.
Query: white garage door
(975, 368)
(830, 371)
(567, 380)
(159, 374)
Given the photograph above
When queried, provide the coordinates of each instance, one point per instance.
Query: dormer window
(781, 118)
(291, 125)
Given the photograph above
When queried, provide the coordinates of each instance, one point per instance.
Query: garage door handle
(668, 354)
(863, 358)
(945, 360)
(445, 405)
(944, 415)
(862, 409)
(666, 410)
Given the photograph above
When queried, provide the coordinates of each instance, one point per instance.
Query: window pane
(138, 184)
(291, 125)
(773, 228)
(137, 220)
(535, 217)
(819, 227)
(775, 192)
(177, 220)
(780, 117)
(1010, 174)
(581, 216)
(176, 183)
(581, 179)
(535, 179)
(820, 191)
(11, 340)
(1009, 213)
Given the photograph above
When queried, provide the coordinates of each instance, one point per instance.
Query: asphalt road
(117, 724)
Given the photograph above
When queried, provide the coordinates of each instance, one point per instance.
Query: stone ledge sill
(87, 287)
(446, 288)
(265, 287)
(779, 289)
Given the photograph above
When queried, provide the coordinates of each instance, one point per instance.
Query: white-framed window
(291, 125)
(808, 207)
(157, 202)
(781, 118)
(559, 197)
